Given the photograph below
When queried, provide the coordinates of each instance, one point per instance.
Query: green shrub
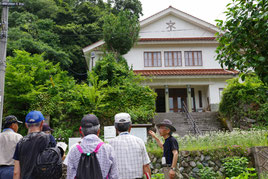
(158, 176)
(249, 173)
(207, 173)
(123, 91)
(247, 99)
(234, 166)
(154, 149)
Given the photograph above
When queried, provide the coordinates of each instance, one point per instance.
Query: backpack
(48, 163)
(88, 166)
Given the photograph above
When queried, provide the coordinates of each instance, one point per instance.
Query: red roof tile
(186, 72)
(177, 39)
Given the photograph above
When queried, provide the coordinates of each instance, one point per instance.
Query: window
(172, 59)
(193, 58)
(152, 59)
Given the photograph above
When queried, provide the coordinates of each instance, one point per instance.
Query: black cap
(89, 120)
(46, 127)
(11, 119)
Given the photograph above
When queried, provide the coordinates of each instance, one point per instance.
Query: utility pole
(3, 48)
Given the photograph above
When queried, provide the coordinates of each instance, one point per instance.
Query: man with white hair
(90, 130)
(130, 152)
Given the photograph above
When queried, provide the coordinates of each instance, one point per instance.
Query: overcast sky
(207, 10)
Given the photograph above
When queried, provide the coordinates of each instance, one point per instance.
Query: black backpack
(89, 166)
(48, 163)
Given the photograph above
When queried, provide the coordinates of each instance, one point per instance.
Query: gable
(171, 26)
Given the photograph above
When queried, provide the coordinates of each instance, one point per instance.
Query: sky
(207, 10)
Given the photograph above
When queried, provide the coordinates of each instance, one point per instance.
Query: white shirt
(131, 155)
(8, 142)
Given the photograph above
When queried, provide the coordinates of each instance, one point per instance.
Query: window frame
(179, 58)
(152, 62)
(192, 58)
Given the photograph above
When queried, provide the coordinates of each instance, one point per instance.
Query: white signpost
(140, 132)
(73, 141)
(109, 132)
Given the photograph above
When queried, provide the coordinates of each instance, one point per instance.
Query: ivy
(245, 99)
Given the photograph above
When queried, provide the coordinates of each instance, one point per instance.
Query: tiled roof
(186, 72)
(177, 39)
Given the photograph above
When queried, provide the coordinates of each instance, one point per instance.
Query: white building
(177, 52)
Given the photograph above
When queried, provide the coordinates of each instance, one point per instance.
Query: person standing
(8, 141)
(170, 147)
(130, 152)
(90, 130)
(46, 129)
(29, 147)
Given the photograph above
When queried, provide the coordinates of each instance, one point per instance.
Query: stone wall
(190, 162)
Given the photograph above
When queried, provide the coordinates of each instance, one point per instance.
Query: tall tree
(123, 91)
(133, 6)
(243, 45)
(120, 31)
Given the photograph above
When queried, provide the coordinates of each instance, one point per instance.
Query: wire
(80, 74)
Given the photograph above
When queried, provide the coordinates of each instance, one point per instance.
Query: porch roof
(186, 72)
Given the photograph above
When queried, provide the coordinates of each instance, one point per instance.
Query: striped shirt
(131, 155)
(105, 156)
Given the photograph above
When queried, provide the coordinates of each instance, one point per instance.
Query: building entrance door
(176, 98)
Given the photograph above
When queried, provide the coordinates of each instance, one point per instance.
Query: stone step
(206, 121)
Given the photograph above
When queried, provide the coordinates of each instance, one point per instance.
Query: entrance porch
(197, 98)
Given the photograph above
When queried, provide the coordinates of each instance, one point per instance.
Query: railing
(191, 120)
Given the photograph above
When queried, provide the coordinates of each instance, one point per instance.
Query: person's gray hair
(90, 130)
(122, 127)
(30, 125)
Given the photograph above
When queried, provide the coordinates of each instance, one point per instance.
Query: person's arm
(16, 174)
(146, 159)
(158, 141)
(147, 169)
(172, 172)
(71, 168)
(113, 173)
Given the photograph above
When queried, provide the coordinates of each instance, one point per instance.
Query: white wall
(159, 29)
(214, 92)
(203, 90)
(135, 57)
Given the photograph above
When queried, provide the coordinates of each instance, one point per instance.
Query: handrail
(191, 120)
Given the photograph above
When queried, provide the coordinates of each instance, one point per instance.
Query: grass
(214, 140)
(153, 149)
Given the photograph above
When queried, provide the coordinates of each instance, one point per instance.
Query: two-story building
(176, 52)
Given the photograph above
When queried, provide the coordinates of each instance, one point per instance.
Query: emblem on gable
(171, 25)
